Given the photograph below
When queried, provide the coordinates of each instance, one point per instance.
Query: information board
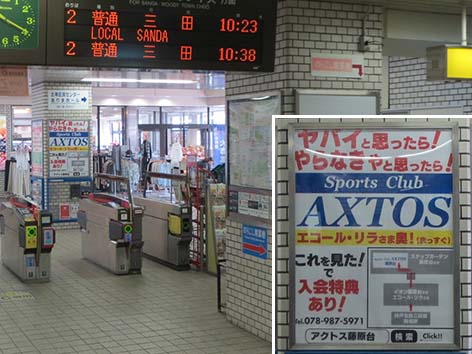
(195, 34)
(374, 244)
(71, 100)
(69, 149)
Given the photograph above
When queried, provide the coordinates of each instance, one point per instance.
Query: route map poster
(250, 136)
(373, 232)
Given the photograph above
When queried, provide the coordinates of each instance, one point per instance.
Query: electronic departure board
(23, 32)
(236, 35)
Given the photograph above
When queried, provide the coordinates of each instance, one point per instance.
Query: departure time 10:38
(242, 55)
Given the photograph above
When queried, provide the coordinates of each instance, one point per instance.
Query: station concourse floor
(86, 309)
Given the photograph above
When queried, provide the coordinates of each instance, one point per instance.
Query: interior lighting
(260, 98)
(142, 81)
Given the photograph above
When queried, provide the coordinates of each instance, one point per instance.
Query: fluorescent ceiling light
(142, 81)
(22, 111)
(260, 98)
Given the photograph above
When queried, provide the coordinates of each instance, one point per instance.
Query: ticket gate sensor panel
(27, 239)
(167, 232)
(112, 230)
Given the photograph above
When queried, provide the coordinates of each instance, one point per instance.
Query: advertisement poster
(3, 141)
(374, 242)
(37, 148)
(69, 148)
(219, 145)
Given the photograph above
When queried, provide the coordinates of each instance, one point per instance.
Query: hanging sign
(373, 238)
(73, 100)
(448, 62)
(69, 148)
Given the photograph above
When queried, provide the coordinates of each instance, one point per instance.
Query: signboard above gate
(195, 34)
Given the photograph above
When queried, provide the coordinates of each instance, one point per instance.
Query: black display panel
(23, 32)
(226, 35)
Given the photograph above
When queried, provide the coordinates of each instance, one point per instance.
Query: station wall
(303, 27)
(408, 87)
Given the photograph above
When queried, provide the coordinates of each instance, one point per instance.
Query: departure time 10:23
(239, 25)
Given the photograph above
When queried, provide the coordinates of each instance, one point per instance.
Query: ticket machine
(27, 239)
(112, 228)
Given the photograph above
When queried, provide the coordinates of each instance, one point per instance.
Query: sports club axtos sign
(373, 237)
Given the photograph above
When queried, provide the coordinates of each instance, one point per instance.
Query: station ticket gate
(27, 239)
(112, 229)
(167, 230)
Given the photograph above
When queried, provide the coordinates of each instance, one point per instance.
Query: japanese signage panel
(59, 100)
(69, 148)
(13, 81)
(337, 65)
(254, 241)
(373, 239)
(3, 141)
(37, 148)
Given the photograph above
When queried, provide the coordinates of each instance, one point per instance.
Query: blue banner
(68, 134)
(374, 183)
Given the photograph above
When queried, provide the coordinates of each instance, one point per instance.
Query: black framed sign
(196, 34)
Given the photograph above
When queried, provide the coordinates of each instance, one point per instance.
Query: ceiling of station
(214, 80)
(132, 78)
(437, 6)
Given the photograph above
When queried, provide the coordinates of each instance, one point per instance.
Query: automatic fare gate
(27, 239)
(111, 228)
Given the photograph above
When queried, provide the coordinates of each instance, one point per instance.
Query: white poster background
(376, 315)
(329, 151)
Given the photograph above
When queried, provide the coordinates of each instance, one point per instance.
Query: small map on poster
(250, 142)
